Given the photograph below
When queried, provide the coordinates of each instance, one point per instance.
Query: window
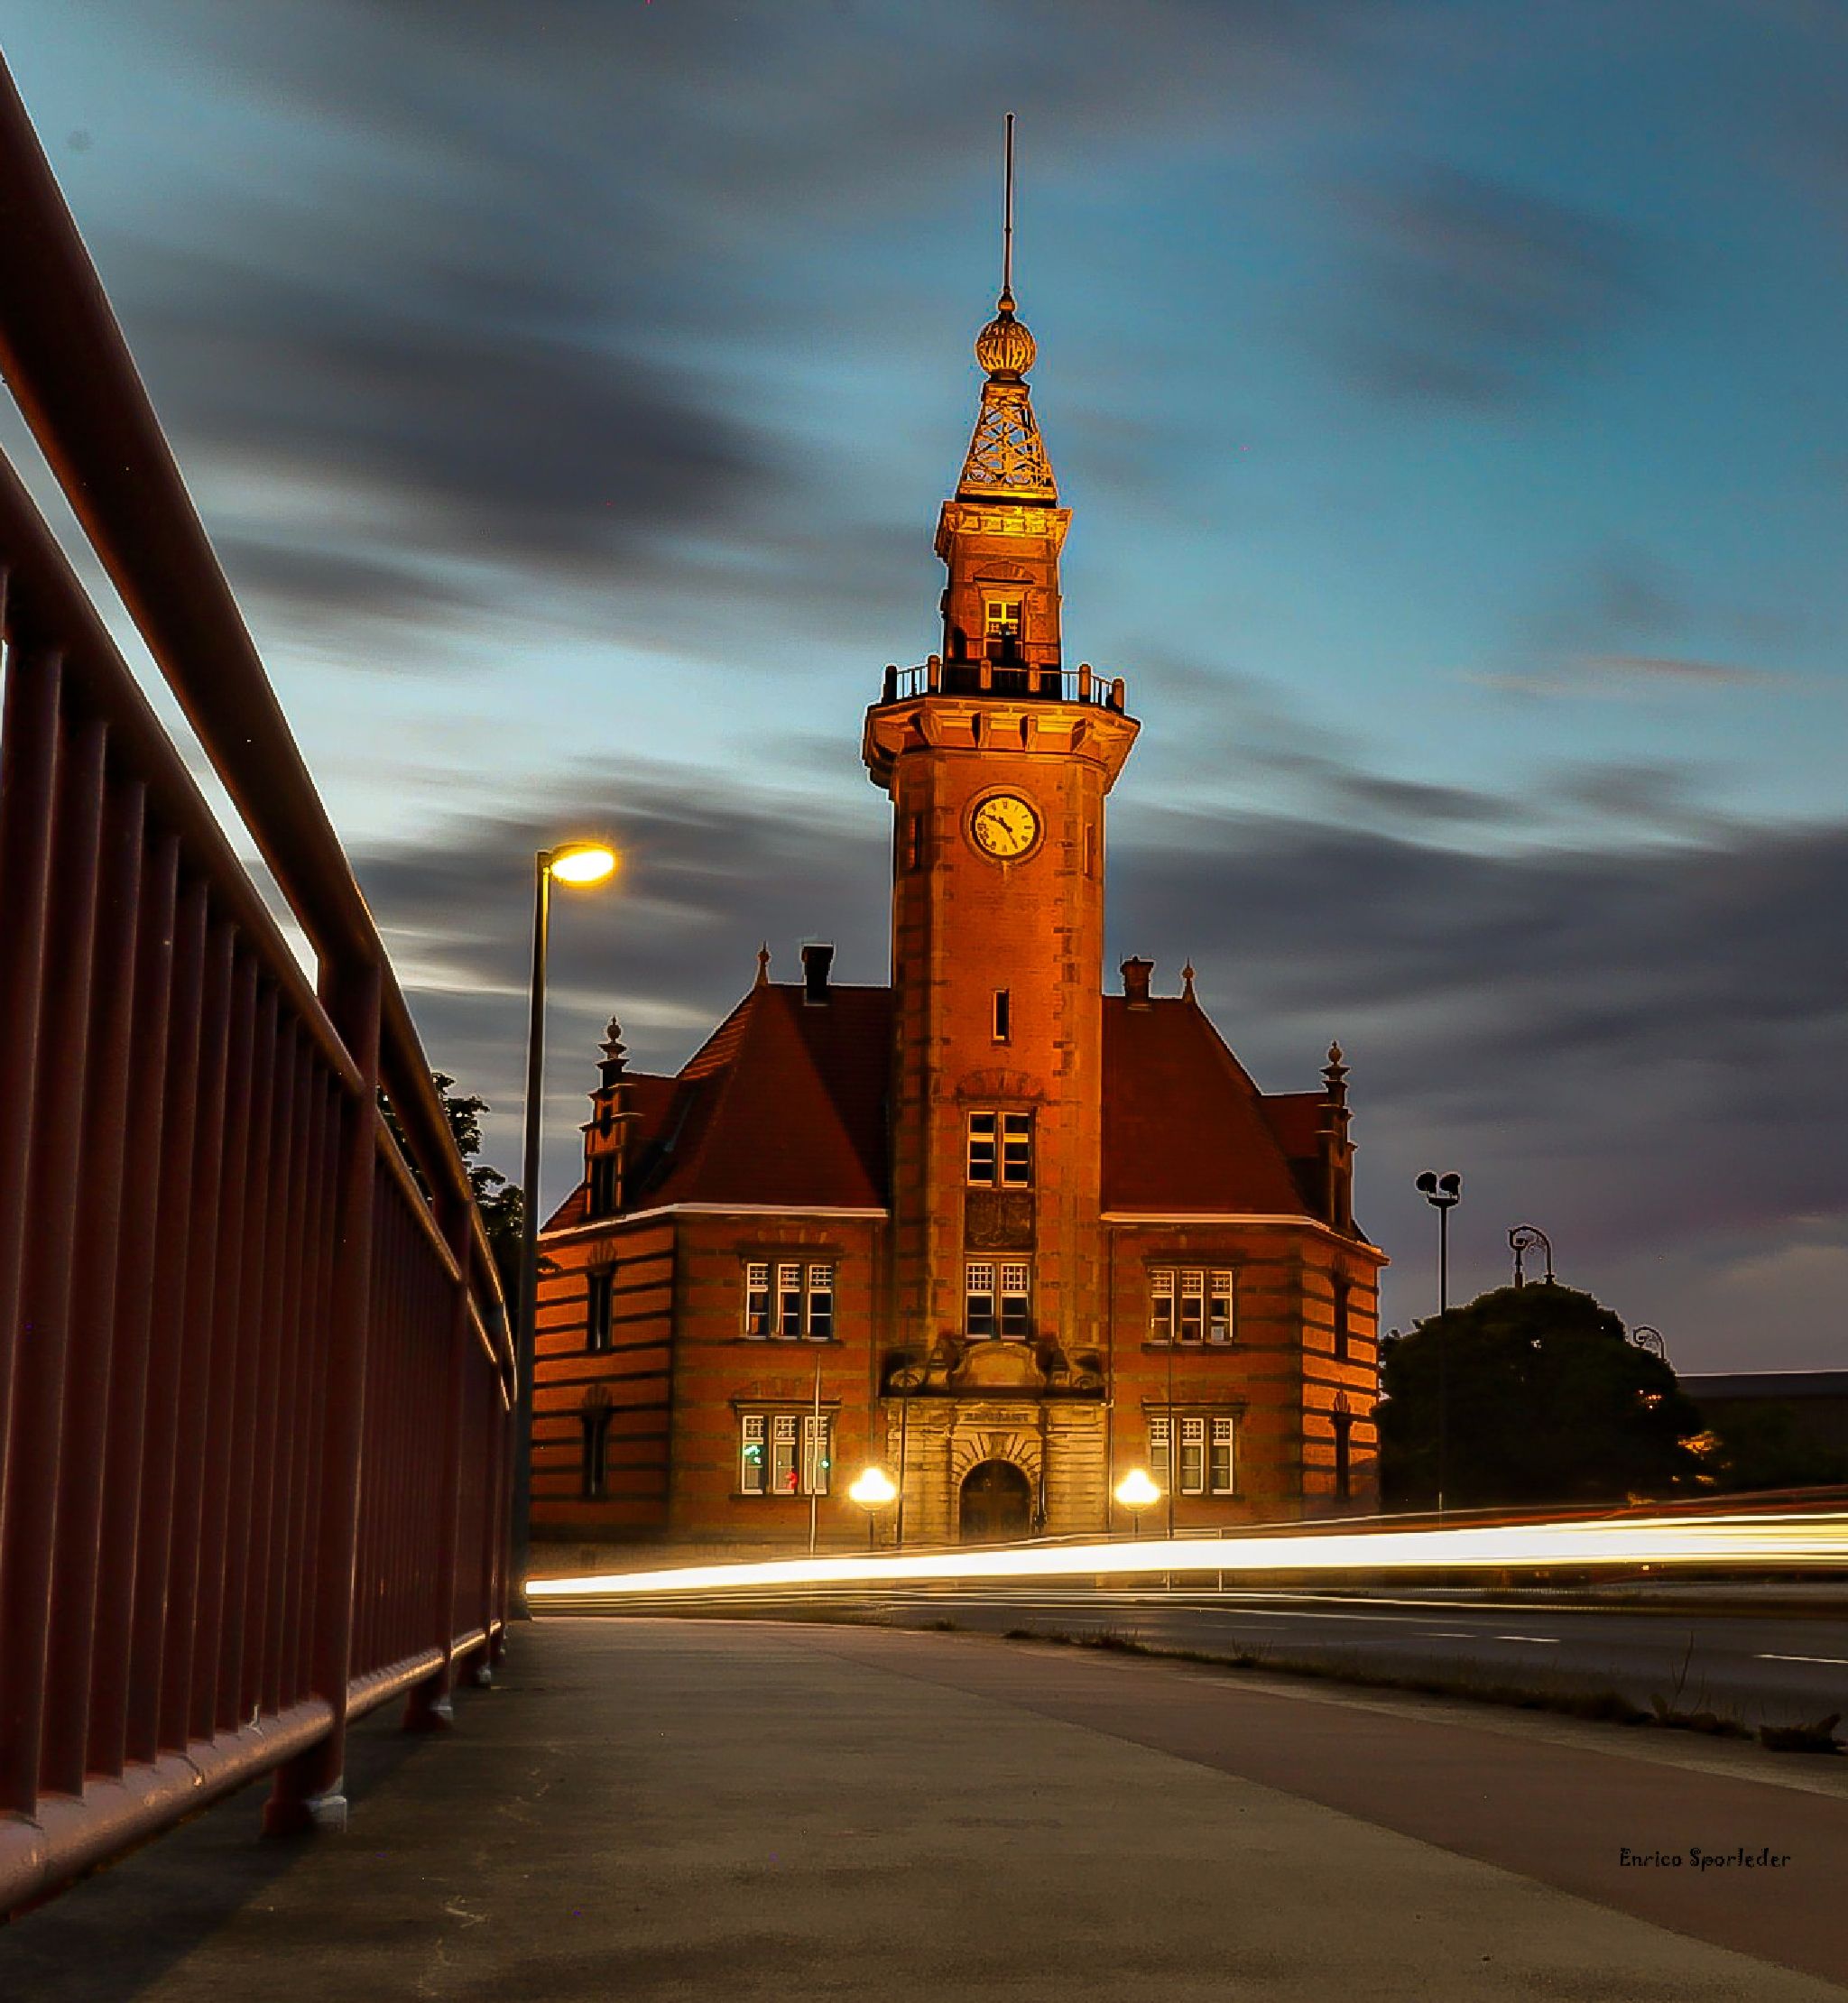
(602, 1186)
(1161, 1305)
(596, 1462)
(751, 1430)
(1208, 1457)
(1343, 1474)
(820, 1303)
(1001, 1144)
(1219, 1307)
(1003, 1013)
(1189, 1303)
(1001, 623)
(914, 842)
(800, 1303)
(998, 1299)
(1341, 1322)
(1193, 1456)
(596, 1318)
(1014, 1301)
(784, 1452)
(982, 1155)
(978, 1319)
(1158, 1430)
(1223, 1469)
(816, 1456)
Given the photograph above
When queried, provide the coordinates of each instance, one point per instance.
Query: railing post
(308, 1793)
(35, 1431)
(28, 776)
(427, 1708)
(97, 1309)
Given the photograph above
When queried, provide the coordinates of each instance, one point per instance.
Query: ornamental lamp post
(872, 1491)
(1443, 1193)
(1521, 1240)
(581, 866)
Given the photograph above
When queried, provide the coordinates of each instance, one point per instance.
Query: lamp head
(873, 1489)
(582, 863)
(1136, 1491)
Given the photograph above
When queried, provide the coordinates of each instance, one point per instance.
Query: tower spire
(1005, 302)
(1007, 457)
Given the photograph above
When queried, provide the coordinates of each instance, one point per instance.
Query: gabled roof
(1185, 1130)
(785, 1104)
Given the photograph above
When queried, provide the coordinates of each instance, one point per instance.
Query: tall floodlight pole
(581, 864)
(1443, 1193)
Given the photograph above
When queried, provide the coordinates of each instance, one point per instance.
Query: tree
(1546, 1400)
(501, 1203)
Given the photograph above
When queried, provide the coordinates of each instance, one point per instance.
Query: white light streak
(1752, 1542)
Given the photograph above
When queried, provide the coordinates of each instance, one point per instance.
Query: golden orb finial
(1004, 347)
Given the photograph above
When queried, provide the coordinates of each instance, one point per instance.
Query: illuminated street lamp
(581, 866)
(872, 1491)
(1136, 1491)
(1443, 1193)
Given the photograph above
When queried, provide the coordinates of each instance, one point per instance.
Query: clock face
(1003, 824)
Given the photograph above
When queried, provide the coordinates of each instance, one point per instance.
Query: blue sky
(1451, 403)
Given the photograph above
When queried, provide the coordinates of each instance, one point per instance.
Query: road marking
(1543, 1640)
(1449, 1634)
(1840, 1662)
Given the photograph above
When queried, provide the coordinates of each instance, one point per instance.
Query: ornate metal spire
(1007, 457)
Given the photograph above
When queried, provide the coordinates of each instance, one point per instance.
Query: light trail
(1755, 1542)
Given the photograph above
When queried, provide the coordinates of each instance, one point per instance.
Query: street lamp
(1521, 1240)
(579, 864)
(1136, 1491)
(1443, 1193)
(872, 1491)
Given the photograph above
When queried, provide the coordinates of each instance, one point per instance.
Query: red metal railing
(254, 1383)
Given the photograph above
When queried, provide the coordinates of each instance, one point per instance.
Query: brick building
(1002, 1234)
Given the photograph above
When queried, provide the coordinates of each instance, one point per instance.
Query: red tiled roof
(784, 1105)
(1185, 1130)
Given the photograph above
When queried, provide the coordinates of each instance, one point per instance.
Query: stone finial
(1335, 1074)
(763, 979)
(616, 1056)
(1187, 982)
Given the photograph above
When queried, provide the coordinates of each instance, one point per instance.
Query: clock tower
(997, 758)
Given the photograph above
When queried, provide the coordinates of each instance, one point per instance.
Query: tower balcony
(1014, 682)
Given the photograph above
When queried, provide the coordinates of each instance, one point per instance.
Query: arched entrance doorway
(996, 1505)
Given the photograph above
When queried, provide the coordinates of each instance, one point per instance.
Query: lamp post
(1521, 1240)
(1135, 1491)
(1648, 1339)
(872, 1491)
(580, 864)
(1443, 1193)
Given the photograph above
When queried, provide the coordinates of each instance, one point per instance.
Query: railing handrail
(77, 386)
(1013, 680)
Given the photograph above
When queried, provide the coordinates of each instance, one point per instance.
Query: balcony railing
(254, 1383)
(1013, 681)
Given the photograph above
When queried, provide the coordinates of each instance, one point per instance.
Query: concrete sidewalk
(661, 1810)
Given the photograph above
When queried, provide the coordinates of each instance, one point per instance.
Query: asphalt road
(1759, 1669)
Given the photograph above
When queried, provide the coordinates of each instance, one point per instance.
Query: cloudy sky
(1452, 399)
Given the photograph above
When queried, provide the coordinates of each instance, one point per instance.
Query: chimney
(815, 962)
(1136, 976)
